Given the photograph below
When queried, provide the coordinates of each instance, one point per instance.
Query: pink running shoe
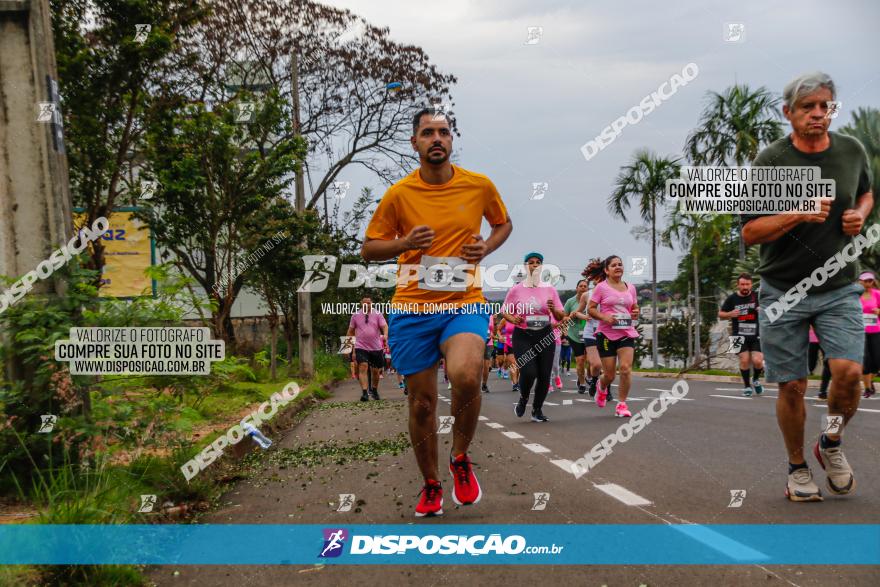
(621, 411)
(558, 383)
(601, 395)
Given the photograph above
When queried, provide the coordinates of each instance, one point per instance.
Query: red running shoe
(466, 487)
(431, 503)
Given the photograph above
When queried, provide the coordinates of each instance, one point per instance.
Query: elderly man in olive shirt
(796, 247)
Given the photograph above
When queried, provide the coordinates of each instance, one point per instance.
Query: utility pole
(697, 348)
(35, 204)
(303, 298)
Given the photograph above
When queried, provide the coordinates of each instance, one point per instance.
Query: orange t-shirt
(455, 211)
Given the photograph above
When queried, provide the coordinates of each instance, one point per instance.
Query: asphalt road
(681, 468)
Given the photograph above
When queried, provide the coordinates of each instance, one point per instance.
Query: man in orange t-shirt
(431, 221)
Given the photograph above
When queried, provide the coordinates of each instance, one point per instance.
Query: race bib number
(622, 322)
(439, 274)
(536, 322)
(748, 329)
(869, 319)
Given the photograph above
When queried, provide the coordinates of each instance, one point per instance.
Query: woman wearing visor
(532, 306)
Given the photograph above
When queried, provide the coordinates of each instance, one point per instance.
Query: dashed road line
(622, 494)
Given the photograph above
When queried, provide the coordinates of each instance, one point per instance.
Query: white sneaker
(840, 479)
(800, 486)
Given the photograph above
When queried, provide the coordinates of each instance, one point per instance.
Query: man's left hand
(853, 221)
(474, 252)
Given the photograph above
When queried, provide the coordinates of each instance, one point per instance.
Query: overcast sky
(524, 110)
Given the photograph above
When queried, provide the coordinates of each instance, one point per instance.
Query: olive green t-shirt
(797, 253)
(576, 326)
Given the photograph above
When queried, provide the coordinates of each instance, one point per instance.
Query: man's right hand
(420, 237)
(822, 215)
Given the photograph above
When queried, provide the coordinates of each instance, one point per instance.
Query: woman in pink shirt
(870, 310)
(531, 306)
(615, 305)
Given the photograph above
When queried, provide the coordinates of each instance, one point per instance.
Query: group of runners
(435, 213)
(741, 307)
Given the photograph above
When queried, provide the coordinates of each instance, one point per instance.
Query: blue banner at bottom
(403, 544)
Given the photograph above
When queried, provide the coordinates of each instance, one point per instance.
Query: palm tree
(865, 126)
(698, 232)
(644, 179)
(732, 128)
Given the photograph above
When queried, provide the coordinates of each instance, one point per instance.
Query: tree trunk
(687, 316)
(229, 334)
(273, 347)
(654, 334)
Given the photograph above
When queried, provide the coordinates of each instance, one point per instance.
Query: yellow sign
(127, 255)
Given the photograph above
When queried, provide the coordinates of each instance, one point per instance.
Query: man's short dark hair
(744, 276)
(450, 118)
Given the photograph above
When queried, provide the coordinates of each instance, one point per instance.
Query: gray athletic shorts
(836, 317)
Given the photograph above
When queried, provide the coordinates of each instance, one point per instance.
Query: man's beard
(437, 157)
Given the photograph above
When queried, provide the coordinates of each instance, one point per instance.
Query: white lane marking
(580, 399)
(563, 464)
(494, 425)
(728, 389)
(535, 447)
(567, 402)
(622, 494)
(687, 399)
(513, 435)
(483, 418)
(550, 404)
(818, 404)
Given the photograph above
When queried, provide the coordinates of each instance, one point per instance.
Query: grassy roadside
(144, 430)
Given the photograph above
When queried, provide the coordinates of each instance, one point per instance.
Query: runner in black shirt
(741, 307)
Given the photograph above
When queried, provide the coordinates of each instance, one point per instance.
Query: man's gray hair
(807, 84)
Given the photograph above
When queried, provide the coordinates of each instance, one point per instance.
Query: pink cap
(865, 275)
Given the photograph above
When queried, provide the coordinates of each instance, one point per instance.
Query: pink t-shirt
(868, 306)
(531, 304)
(367, 330)
(507, 331)
(813, 337)
(489, 341)
(618, 304)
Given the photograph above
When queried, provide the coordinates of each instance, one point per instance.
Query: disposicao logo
(334, 542)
